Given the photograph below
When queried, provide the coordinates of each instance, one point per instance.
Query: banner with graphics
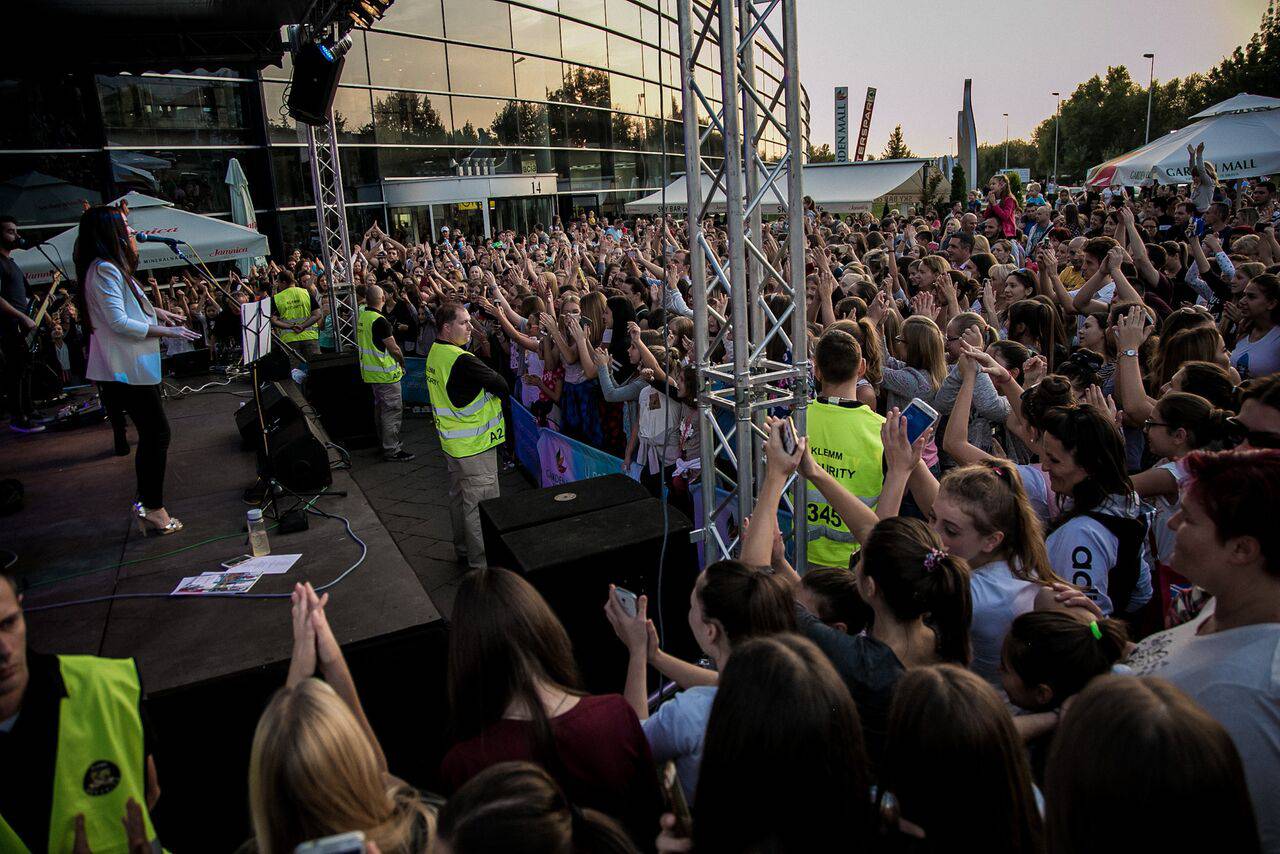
(842, 124)
(728, 525)
(524, 428)
(564, 460)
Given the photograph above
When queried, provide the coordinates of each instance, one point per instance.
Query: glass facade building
(585, 91)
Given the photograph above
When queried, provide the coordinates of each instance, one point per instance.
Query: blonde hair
(924, 347)
(981, 244)
(1247, 245)
(313, 773)
(1000, 272)
(935, 264)
(593, 305)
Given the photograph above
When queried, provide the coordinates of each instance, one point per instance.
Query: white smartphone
(341, 843)
(920, 417)
(236, 561)
(627, 600)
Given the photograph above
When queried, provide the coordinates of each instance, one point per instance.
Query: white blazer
(119, 349)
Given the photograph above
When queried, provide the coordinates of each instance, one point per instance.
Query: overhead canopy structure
(1241, 139)
(835, 187)
(212, 239)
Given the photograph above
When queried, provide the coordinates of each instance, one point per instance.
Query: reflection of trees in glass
(405, 117)
(586, 86)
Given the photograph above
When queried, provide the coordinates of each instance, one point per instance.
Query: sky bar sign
(865, 130)
(842, 124)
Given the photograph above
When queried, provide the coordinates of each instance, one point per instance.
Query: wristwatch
(1132, 353)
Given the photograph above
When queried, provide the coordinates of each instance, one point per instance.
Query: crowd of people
(1044, 622)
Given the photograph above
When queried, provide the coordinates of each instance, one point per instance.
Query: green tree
(821, 154)
(959, 191)
(896, 147)
(1022, 154)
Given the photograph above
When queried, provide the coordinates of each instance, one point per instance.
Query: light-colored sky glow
(917, 53)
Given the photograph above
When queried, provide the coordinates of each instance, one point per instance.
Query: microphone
(143, 237)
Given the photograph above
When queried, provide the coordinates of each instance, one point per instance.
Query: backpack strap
(1123, 577)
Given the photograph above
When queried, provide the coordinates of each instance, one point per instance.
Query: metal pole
(1006, 142)
(752, 177)
(1057, 120)
(1150, 83)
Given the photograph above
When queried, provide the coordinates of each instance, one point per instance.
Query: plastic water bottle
(258, 543)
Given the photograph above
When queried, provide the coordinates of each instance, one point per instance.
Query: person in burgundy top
(1001, 205)
(513, 690)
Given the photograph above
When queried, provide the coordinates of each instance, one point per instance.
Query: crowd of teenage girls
(1059, 627)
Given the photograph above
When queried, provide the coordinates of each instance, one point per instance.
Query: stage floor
(75, 540)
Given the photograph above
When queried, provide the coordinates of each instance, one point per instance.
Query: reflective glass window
(533, 123)
(402, 62)
(420, 17)
(581, 43)
(480, 21)
(169, 111)
(582, 170)
(628, 131)
(588, 128)
(587, 10)
(535, 31)
(585, 86)
(537, 78)
(624, 16)
(481, 72)
(45, 188)
(52, 110)
(351, 115)
(193, 179)
(415, 162)
(410, 117)
(485, 121)
(625, 55)
(627, 93)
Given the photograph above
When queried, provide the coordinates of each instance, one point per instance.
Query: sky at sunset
(917, 54)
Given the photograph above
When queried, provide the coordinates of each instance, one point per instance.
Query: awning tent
(36, 198)
(212, 239)
(1241, 139)
(835, 187)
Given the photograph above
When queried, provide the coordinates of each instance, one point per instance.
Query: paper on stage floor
(265, 565)
(216, 582)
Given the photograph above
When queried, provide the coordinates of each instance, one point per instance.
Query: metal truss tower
(748, 383)
(335, 244)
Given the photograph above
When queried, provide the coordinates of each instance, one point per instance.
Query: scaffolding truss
(746, 383)
(335, 243)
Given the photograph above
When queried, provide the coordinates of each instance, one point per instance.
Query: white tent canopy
(1241, 139)
(212, 239)
(836, 187)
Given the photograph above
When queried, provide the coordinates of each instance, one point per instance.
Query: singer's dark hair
(102, 236)
(4, 218)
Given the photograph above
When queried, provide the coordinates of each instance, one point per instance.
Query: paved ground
(412, 501)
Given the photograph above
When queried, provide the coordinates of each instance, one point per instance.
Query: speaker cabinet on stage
(192, 363)
(277, 409)
(503, 515)
(342, 399)
(314, 83)
(573, 560)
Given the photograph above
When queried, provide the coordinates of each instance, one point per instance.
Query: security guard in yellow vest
(75, 757)
(296, 316)
(382, 366)
(844, 439)
(466, 400)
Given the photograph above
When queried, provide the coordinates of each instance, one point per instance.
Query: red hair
(1239, 490)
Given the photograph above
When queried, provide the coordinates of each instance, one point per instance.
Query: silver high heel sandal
(147, 527)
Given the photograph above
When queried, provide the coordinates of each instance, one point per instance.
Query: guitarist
(15, 324)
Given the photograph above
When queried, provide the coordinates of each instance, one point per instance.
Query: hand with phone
(920, 417)
(628, 614)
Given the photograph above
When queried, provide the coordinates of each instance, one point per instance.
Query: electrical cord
(364, 552)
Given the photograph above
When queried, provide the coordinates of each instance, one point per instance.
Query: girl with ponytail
(517, 808)
(1179, 424)
(729, 603)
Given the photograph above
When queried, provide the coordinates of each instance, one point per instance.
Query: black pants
(17, 374)
(143, 404)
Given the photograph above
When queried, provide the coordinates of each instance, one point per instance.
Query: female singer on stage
(124, 350)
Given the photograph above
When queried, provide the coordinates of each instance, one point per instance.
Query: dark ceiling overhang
(136, 36)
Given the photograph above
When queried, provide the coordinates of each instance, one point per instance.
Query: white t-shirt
(1235, 675)
(676, 730)
(1084, 552)
(998, 598)
(1041, 496)
(1164, 508)
(1257, 358)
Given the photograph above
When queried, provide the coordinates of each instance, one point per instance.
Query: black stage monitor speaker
(507, 513)
(316, 72)
(298, 459)
(342, 399)
(572, 561)
(277, 408)
(189, 364)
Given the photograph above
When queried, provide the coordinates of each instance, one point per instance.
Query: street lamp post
(1006, 142)
(1057, 120)
(1150, 84)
